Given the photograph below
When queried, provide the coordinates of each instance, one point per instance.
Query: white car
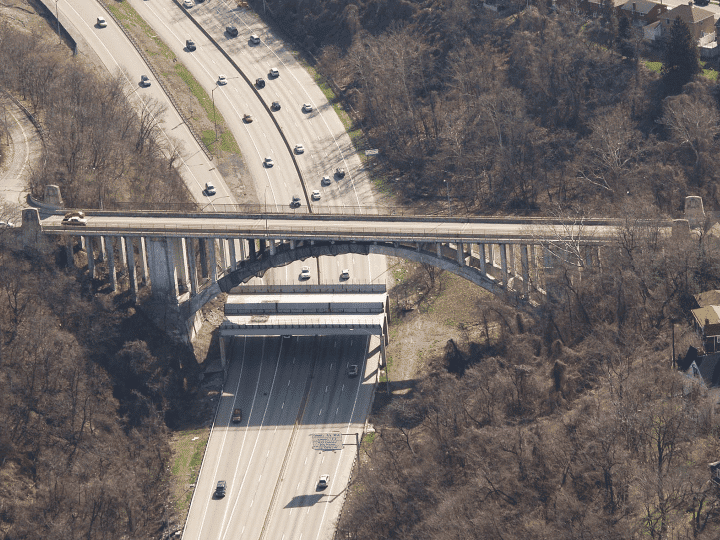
(307, 107)
(254, 39)
(209, 188)
(268, 162)
(345, 274)
(325, 181)
(305, 272)
(324, 481)
(101, 22)
(274, 73)
(299, 149)
(316, 195)
(222, 79)
(7, 225)
(188, 3)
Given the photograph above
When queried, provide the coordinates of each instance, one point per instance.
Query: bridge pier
(132, 276)
(192, 266)
(89, 241)
(110, 255)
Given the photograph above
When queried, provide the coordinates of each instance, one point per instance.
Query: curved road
(119, 56)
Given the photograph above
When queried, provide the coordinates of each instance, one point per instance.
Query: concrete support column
(233, 258)
(101, 249)
(223, 356)
(271, 245)
(163, 272)
(263, 246)
(132, 274)
(69, 252)
(292, 244)
(481, 256)
(202, 251)
(110, 254)
(192, 265)
(525, 269)
(211, 260)
(438, 250)
(460, 253)
(123, 251)
(383, 360)
(251, 244)
(243, 251)
(512, 263)
(143, 260)
(503, 263)
(180, 253)
(533, 264)
(89, 248)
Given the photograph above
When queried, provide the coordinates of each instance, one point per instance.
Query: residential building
(643, 12)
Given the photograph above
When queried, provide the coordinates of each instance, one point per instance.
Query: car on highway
(188, 3)
(145, 81)
(7, 225)
(260, 82)
(295, 202)
(340, 172)
(247, 118)
(222, 79)
(190, 45)
(220, 489)
(316, 195)
(275, 106)
(305, 272)
(325, 181)
(323, 481)
(299, 149)
(255, 40)
(274, 73)
(268, 162)
(231, 31)
(345, 274)
(209, 189)
(237, 416)
(307, 107)
(352, 370)
(101, 22)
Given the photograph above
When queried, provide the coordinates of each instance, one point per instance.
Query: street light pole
(447, 185)
(57, 17)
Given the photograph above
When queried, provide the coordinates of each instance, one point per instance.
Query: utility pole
(57, 17)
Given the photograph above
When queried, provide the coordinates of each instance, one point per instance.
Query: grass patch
(125, 13)
(369, 438)
(654, 66)
(186, 461)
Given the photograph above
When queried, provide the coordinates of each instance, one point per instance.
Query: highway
(275, 381)
(322, 134)
(288, 389)
(120, 57)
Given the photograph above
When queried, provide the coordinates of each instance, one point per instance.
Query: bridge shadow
(303, 501)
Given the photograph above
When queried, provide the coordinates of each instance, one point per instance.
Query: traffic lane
(284, 399)
(205, 510)
(304, 503)
(119, 56)
(257, 139)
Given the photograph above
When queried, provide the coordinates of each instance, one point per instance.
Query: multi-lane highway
(120, 57)
(288, 389)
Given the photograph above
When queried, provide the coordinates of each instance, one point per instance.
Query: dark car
(237, 416)
(260, 82)
(295, 202)
(231, 30)
(190, 45)
(340, 172)
(352, 371)
(275, 106)
(145, 81)
(220, 489)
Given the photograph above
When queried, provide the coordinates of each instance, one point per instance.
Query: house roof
(688, 14)
(641, 6)
(709, 366)
(708, 298)
(708, 318)
(652, 25)
(684, 362)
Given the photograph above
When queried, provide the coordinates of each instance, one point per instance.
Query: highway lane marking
(123, 37)
(259, 428)
(347, 431)
(290, 71)
(207, 503)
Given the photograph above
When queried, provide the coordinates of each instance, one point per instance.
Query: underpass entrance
(311, 310)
